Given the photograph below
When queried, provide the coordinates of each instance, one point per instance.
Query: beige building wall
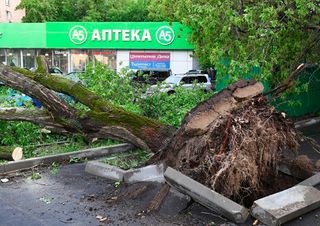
(8, 12)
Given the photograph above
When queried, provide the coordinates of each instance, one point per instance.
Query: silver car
(187, 81)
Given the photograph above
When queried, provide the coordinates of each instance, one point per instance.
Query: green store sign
(118, 35)
(90, 35)
(19, 35)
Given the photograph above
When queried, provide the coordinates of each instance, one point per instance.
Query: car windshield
(173, 79)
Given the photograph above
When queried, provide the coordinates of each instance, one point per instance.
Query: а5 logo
(165, 35)
(78, 34)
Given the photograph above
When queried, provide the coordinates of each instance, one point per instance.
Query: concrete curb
(206, 196)
(305, 123)
(148, 173)
(104, 170)
(312, 181)
(88, 153)
(152, 173)
(286, 205)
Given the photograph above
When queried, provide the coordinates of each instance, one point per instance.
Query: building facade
(8, 12)
(71, 45)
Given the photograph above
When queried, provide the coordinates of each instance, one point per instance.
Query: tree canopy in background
(237, 35)
(84, 10)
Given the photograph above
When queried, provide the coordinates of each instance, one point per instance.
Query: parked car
(55, 71)
(187, 81)
(151, 77)
(74, 76)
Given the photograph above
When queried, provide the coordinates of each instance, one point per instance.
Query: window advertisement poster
(149, 61)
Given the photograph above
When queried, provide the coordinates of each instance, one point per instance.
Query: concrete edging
(148, 173)
(45, 160)
(281, 207)
(311, 181)
(206, 196)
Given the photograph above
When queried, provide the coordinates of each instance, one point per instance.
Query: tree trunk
(11, 153)
(103, 120)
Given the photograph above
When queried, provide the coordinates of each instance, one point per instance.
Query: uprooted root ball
(238, 155)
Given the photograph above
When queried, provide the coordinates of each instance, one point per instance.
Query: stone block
(206, 196)
(312, 181)
(286, 205)
(149, 173)
(104, 170)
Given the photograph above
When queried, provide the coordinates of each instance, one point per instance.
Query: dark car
(151, 76)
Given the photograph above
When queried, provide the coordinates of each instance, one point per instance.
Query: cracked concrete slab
(286, 205)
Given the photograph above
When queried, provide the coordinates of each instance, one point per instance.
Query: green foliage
(113, 87)
(84, 10)
(121, 91)
(129, 160)
(54, 168)
(30, 136)
(117, 183)
(128, 10)
(171, 109)
(275, 36)
(77, 160)
(35, 175)
(23, 134)
(75, 143)
(10, 98)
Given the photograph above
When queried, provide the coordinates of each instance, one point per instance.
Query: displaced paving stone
(206, 196)
(312, 181)
(152, 173)
(149, 173)
(286, 205)
(104, 170)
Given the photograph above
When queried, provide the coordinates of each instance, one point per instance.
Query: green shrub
(112, 86)
(171, 109)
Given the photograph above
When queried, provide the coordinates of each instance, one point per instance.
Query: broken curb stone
(104, 170)
(206, 197)
(149, 173)
(312, 181)
(286, 205)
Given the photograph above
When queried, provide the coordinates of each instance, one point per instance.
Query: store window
(2, 56)
(106, 57)
(29, 58)
(48, 55)
(14, 57)
(60, 60)
(8, 16)
(79, 60)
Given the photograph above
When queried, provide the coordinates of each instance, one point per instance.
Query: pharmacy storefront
(71, 45)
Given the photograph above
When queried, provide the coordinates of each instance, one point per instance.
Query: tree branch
(37, 116)
(289, 82)
(104, 119)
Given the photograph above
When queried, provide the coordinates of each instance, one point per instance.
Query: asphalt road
(73, 197)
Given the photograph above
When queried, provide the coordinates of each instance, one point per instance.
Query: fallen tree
(231, 142)
(11, 153)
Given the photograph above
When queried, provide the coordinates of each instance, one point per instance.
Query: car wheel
(171, 92)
